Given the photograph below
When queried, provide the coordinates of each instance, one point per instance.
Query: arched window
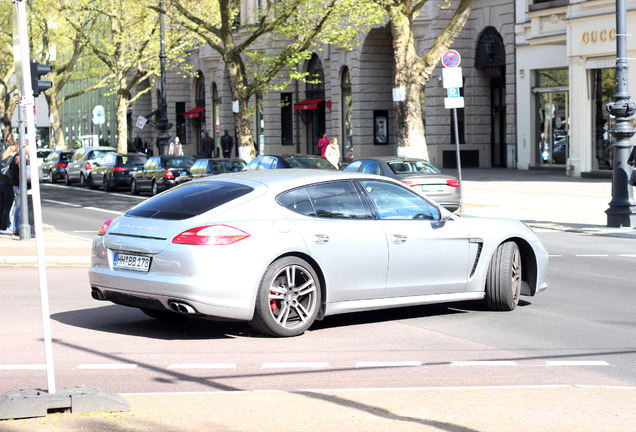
(347, 115)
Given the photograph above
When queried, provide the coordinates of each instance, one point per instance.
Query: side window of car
(297, 201)
(148, 163)
(353, 166)
(338, 200)
(396, 202)
(78, 155)
(372, 167)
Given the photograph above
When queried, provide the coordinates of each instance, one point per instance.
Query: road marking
(592, 255)
(484, 363)
(104, 210)
(379, 364)
(313, 365)
(108, 366)
(553, 256)
(202, 366)
(61, 203)
(23, 367)
(627, 255)
(576, 363)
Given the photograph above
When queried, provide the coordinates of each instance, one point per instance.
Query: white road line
(378, 364)
(591, 255)
(484, 363)
(313, 365)
(61, 203)
(103, 210)
(23, 367)
(108, 366)
(553, 256)
(202, 366)
(576, 363)
(627, 255)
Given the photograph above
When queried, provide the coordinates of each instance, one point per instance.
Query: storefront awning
(310, 104)
(194, 112)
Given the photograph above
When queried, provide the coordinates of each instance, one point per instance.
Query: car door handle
(321, 238)
(398, 238)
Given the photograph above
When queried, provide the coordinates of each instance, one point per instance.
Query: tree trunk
(244, 138)
(122, 102)
(407, 89)
(58, 135)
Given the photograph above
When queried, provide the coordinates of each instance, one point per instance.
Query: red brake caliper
(272, 303)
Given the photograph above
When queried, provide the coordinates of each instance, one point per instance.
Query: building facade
(566, 58)
(353, 100)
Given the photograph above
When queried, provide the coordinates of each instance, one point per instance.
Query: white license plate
(132, 262)
(430, 189)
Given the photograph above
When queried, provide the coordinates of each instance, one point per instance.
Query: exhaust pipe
(97, 294)
(183, 308)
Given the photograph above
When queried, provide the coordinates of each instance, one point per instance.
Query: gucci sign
(598, 36)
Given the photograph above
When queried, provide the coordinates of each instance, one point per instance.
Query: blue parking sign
(453, 92)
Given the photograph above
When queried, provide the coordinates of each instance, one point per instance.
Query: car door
(144, 179)
(74, 166)
(425, 257)
(342, 237)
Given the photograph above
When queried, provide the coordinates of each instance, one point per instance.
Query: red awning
(310, 104)
(194, 112)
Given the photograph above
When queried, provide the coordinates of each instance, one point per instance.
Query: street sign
(141, 122)
(451, 59)
(452, 77)
(454, 102)
(99, 115)
(453, 92)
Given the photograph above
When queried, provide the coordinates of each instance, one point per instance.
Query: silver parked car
(419, 174)
(282, 248)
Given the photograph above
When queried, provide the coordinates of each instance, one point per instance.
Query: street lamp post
(164, 126)
(622, 207)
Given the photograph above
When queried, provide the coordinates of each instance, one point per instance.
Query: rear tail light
(410, 183)
(118, 169)
(168, 175)
(88, 166)
(104, 228)
(211, 235)
(61, 164)
(453, 183)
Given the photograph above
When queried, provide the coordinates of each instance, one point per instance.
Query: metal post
(164, 126)
(25, 228)
(459, 163)
(622, 207)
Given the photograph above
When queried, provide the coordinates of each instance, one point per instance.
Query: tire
(133, 187)
(48, 178)
(154, 189)
(503, 281)
(83, 182)
(107, 187)
(288, 298)
(90, 183)
(67, 179)
(54, 177)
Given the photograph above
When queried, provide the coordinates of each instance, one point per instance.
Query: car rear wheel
(83, 182)
(48, 178)
(91, 184)
(154, 189)
(67, 179)
(105, 183)
(503, 281)
(288, 298)
(133, 187)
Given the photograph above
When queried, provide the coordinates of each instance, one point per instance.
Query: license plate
(430, 189)
(132, 262)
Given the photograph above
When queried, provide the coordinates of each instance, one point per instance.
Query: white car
(282, 248)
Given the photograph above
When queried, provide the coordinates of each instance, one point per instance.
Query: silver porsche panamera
(283, 248)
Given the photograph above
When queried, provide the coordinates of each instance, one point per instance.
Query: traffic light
(37, 70)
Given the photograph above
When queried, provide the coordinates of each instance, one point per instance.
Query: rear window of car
(179, 162)
(413, 167)
(305, 162)
(66, 156)
(132, 160)
(189, 200)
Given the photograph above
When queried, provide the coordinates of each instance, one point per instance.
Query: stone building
(354, 100)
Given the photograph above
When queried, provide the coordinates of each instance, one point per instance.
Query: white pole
(27, 101)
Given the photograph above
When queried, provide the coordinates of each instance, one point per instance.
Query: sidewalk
(545, 200)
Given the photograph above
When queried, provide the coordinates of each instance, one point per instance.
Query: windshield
(308, 162)
(413, 167)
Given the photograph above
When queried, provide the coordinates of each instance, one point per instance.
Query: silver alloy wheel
(516, 275)
(292, 297)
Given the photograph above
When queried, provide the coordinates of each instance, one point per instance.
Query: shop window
(181, 121)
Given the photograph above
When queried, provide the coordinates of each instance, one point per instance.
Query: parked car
(419, 174)
(289, 161)
(82, 162)
(159, 173)
(211, 166)
(115, 170)
(54, 166)
(284, 248)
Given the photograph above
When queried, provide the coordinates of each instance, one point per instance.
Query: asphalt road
(580, 331)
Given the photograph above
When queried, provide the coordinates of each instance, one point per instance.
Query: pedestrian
(632, 161)
(544, 148)
(332, 154)
(323, 142)
(6, 187)
(138, 143)
(227, 142)
(15, 180)
(175, 149)
(207, 145)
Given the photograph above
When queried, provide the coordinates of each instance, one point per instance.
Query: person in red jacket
(323, 143)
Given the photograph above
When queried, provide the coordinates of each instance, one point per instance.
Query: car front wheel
(133, 187)
(154, 188)
(288, 298)
(503, 281)
(83, 182)
(107, 187)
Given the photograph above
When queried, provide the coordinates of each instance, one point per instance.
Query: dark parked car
(212, 166)
(289, 161)
(82, 163)
(159, 173)
(54, 166)
(419, 174)
(115, 170)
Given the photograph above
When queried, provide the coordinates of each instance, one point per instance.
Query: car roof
(396, 158)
